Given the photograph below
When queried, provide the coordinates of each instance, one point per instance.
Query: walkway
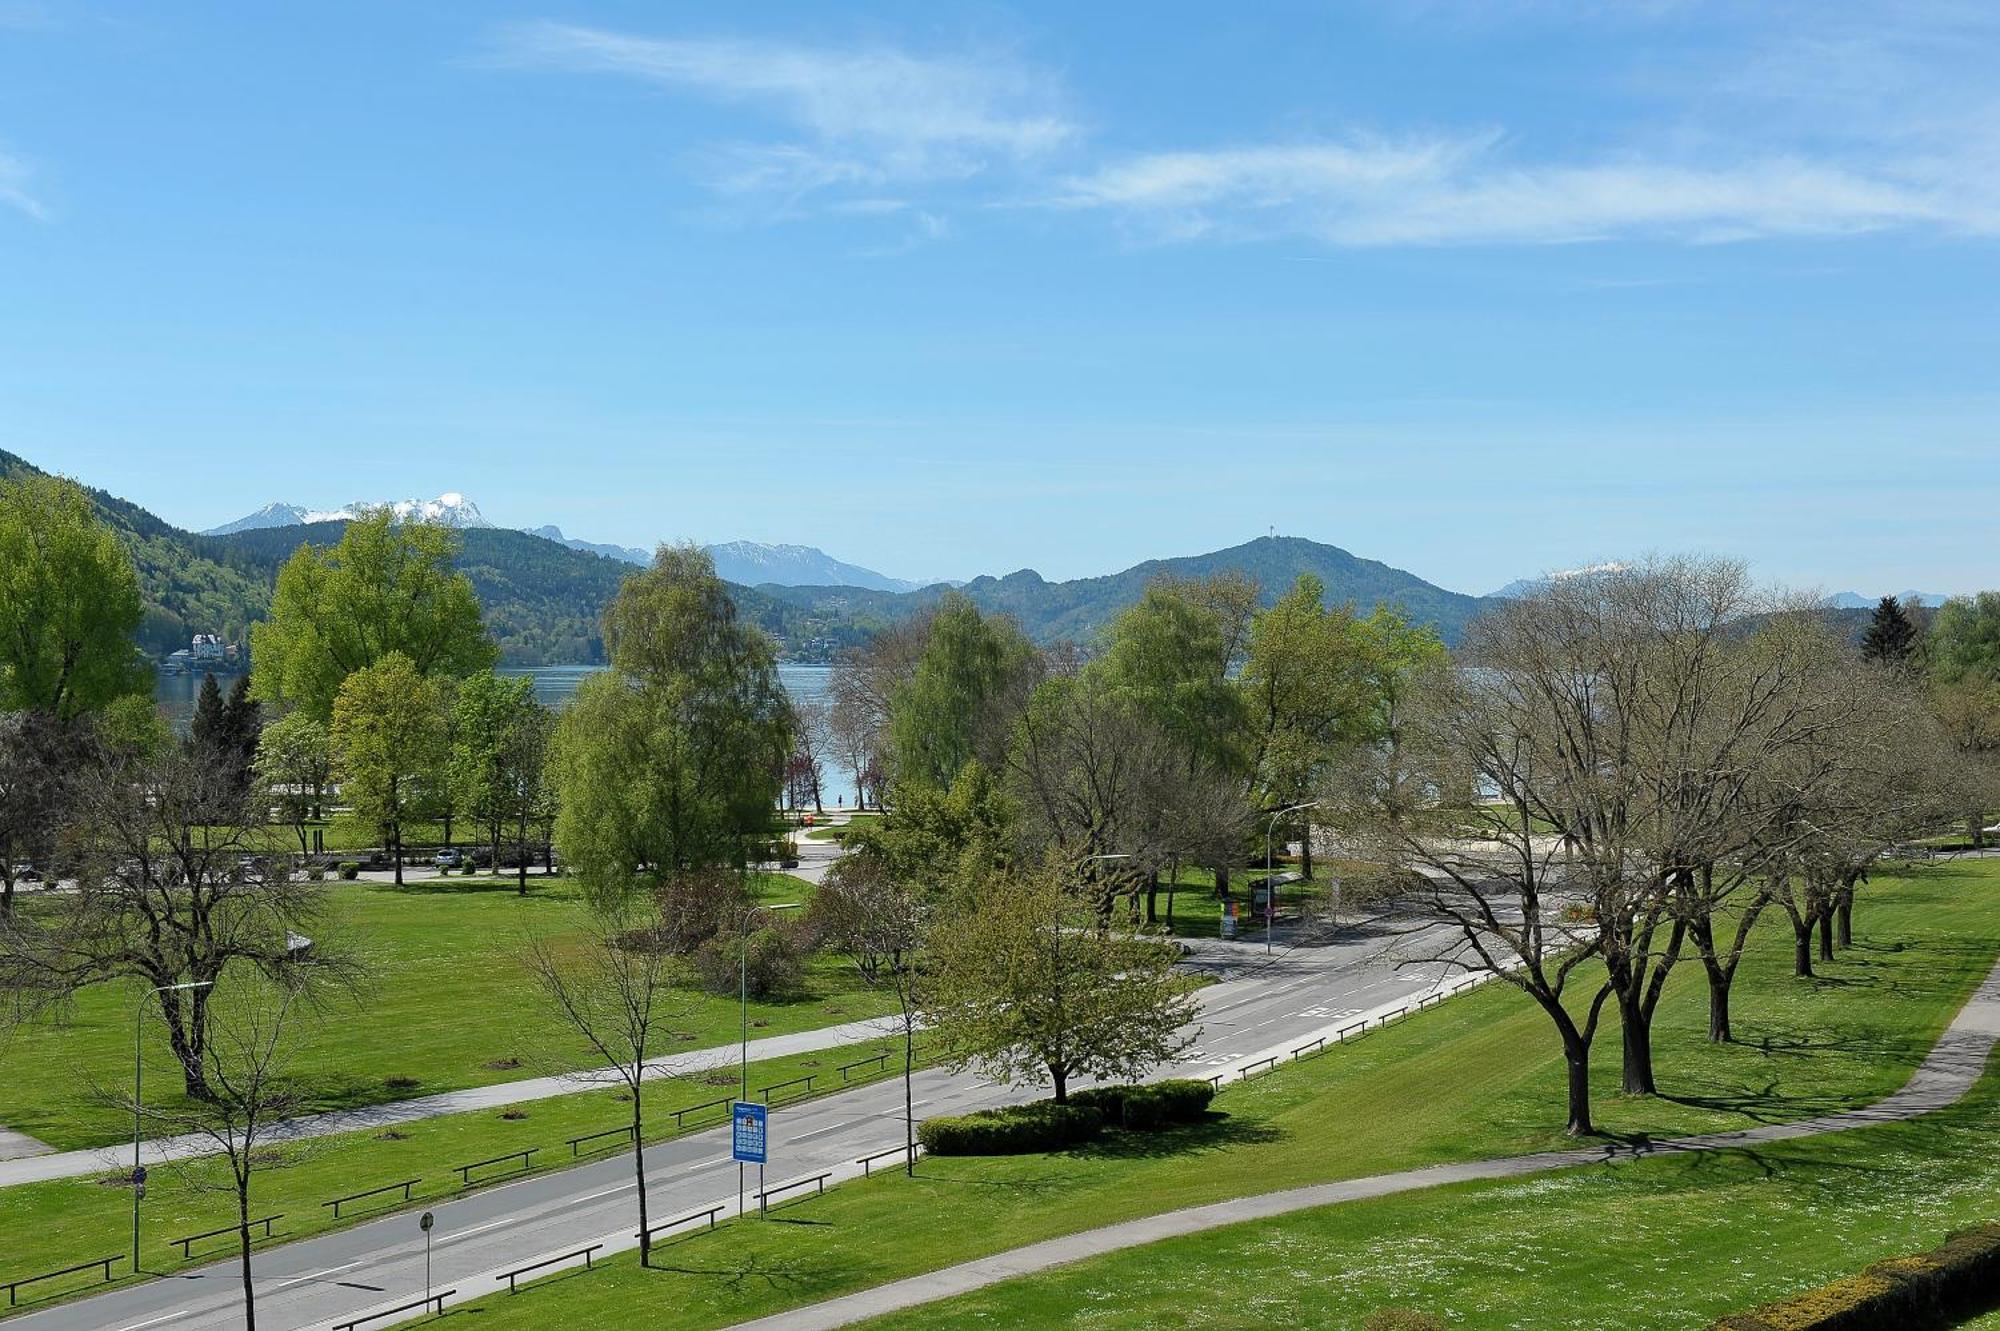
(1951, 1069)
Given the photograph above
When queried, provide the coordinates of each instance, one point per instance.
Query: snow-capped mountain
(1522, 586)
(451, 508)
(751, 562)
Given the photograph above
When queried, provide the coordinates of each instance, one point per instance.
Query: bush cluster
(771, 962)
(1930, 1289)
(349, 870)
(1042, 1125)
(1151, 1106)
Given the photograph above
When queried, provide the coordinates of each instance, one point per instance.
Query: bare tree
(616, 987)
(865, 912)
(244, 1064)
(172, 887)
(40, 758)
(861, 685)
(812, 742)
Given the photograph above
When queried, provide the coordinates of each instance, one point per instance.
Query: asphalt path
(1258, 1005)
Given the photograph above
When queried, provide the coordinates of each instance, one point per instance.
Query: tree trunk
(189, 1040)
(521, 869)
(1153, 897)
(639, 1160)
(1638, 1047)
(1577, 1058)
(1060, 1077)
(1975, 830)
(1306, 852)
(243, 1246)
(909, 1091)
(1844, 918)
(447, 829)
(1826, 935)
(1718, 1007)
(1802, 931)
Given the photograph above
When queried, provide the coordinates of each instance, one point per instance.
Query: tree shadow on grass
(1215, 1132)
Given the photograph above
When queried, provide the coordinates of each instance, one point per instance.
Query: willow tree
(69, 603)
(671, 760)
(388, 587)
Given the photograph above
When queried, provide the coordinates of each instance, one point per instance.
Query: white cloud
(1444, 190)
(861, 116)
(14, 188)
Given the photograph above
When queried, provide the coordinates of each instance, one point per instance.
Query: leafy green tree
(959, 703)
(294, 765)
(69, 603)
(388, 588)
(498, 741)
(933, 837)
(388, 744)
(1022, 985)
(1965, 639)
(671, 760)
(1890, 637)
(1172, 654)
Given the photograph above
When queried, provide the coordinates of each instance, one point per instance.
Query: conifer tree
(1890, 637)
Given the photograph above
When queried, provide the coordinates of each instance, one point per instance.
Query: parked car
(448, 859)
(27, 873)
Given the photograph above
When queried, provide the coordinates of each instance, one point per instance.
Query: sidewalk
(101, 1159)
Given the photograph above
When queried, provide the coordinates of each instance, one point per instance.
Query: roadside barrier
(764, 1093)
(867, 1162)
(104, 1262)
(818, 1180)
(425, 1302)
(880, 1060)
(404, 1187)
(696, 1109)
(574, 1142)
(709, 1215)
(512, 1276)
(464, 1172)
(192, 1239)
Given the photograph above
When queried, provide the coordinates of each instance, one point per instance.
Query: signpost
(427, 1220)
(748, 1138)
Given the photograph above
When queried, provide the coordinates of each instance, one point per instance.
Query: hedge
(1931, 1289)
(1149, 1107)
(1015, 1130)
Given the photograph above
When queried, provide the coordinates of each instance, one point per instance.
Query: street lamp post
(1270, 874)
(138, 1113)
(743, 987)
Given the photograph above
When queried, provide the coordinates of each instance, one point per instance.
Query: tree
(671, 760)
(294, 765)
(612, 988)
(496, 747)
(863, 682)
(388, 588)
(960, 701)
(878, 920)
(1171, 655)
(1024, 988)
(812, 738)
(933, 838)
(171, 888)
(388, 744)
(1890, 637)
(69, 603)
(1963, 652)
(245, 1063)
(208, 729)
(41, 760)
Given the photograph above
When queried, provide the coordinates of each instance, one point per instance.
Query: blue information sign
(747, 1141)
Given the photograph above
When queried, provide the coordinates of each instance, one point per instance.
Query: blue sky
(1479, 289)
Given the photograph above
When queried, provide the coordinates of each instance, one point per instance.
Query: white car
(448, 859)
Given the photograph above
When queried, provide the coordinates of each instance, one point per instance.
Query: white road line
(714, 1160)
(458, 1235)
(315, 1275)
(155, 1321)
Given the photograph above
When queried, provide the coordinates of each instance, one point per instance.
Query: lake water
(176, 696)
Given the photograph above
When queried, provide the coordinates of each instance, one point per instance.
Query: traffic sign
(748, 1137)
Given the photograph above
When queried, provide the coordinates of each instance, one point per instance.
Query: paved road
(1257, 1006)
(1951, 1069)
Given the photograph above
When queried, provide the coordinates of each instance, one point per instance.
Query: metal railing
(574, 1142)
(425, 1302)
(764, 1093)
(193, 1239)
(104, 1262)
(819, 1180)
(404, 1186)
(709, 1215)
(512, 1276)
(867, 1162)
(464, 1172)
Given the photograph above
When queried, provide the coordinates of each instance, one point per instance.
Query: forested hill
(544, 600)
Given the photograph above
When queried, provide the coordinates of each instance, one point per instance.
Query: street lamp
(1270, 886)
(138, 1113)
(743, 986)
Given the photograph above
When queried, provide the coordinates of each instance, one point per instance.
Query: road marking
(315, 1275)
(704, 1164)
(155, 1321)
(456, 1235)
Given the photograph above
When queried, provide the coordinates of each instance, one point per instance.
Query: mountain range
(747, 562)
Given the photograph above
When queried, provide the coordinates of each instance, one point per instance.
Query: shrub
(349, 870)
(1925, 1290)
(769, 963)
(1014, 1130)
(1149, 1107)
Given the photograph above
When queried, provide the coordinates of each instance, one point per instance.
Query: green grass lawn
(46, 1226)
(1478, 1077)
(448, 1004)
(1663, 1243)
